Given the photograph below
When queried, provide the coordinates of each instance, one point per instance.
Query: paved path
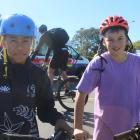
(46, 129)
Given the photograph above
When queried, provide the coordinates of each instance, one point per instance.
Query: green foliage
(87, 41)
(137, 44)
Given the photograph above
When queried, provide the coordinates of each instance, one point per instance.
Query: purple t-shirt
(117, 94)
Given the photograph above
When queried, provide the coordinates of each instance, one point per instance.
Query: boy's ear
(103, 42)
(127, 41)
(2, 41)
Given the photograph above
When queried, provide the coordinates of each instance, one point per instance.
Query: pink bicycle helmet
(113, 21)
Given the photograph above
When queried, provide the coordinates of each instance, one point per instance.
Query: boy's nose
(115, 44)
(19, 44)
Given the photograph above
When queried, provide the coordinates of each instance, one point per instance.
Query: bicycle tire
(67, 100)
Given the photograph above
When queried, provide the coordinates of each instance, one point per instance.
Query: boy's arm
(41, 42)
(79, 133)
(79, 110)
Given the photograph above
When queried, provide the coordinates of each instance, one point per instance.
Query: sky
(75, 14)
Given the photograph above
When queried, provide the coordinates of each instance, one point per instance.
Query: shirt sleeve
(91, 77)
(45, 103)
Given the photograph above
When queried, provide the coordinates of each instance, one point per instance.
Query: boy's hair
(43, 28)
(114, 29)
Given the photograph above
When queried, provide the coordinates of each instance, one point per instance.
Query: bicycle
(63, 93)
(58, 135)
(65, 90)
(133, 134)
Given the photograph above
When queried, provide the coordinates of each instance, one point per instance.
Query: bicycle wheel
(67, 92)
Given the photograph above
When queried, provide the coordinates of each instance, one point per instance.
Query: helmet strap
(131, 47)
(5, 75)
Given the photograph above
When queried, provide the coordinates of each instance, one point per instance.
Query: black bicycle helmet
(42, 28)
(58, 36)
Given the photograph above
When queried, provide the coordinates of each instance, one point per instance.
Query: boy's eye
(110, 40)
(121, 38)
(26, 41)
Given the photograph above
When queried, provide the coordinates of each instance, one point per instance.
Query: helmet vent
(121, 21)
(111, 19)
(12, 25)
(104, 24)
(116, 18)
(28, 27)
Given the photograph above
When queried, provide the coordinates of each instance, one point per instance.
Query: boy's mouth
(116, 49)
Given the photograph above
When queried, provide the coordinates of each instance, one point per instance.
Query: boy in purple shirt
(115, 75)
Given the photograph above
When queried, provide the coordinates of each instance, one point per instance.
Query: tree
(137, 44)
(87, 41)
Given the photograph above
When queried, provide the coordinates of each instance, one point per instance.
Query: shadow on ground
(88, 118)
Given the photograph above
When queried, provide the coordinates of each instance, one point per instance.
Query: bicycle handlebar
(133, 134)
(124, 136)
(7, 136)
(58, 135)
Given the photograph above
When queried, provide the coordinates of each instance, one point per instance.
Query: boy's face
(115, 42)
(18, 48)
